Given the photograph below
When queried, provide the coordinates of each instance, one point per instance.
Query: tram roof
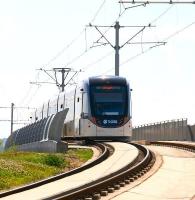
(107, 80)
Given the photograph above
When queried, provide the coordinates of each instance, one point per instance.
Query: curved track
(96, 181)
(101, 187)
(104, 153)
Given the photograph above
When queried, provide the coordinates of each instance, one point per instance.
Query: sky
(48, 34)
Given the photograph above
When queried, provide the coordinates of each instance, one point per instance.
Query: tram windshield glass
(108, 100)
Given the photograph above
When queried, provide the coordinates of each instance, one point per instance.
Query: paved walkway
(175, 179)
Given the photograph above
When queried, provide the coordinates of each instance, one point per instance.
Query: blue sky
(32, 33)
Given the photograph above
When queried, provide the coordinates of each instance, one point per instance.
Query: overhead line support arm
(104, 37)
(158, 2)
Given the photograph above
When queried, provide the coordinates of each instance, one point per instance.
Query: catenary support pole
(12, 117)
(117, 48)
(63, 85)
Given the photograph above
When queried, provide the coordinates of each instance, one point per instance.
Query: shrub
(53, 160)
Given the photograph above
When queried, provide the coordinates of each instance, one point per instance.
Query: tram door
(78, 109)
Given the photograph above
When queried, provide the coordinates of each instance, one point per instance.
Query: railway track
(128, 174)
(104, 153)
(108, 184)
(184, 146)
(96, 187)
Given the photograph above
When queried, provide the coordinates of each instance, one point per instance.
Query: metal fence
(166, 130)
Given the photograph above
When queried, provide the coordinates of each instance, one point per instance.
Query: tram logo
(105, 121)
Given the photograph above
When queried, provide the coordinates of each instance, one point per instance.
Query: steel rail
(104, 155)
(101, 187)
(184, 146)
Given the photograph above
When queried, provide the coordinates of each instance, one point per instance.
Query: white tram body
(99, 108)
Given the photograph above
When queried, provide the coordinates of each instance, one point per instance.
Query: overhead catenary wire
(165, 39)
(179, 31)
(74, 75)
(98, 11)
(33, 95)
(27, 94)
(158, 2)
(86, 67)
(2, 88)
(157, 44)
(83, 31)
(98, 60)
(76, 58)
(65, 48)
(132, 58)
(121, 13)
(154, 20)
(162, 14)
(143, 3)
(117, 46)
(158, 17)
(126, 8)
(86, 46)
(152, 47)
(128, 41)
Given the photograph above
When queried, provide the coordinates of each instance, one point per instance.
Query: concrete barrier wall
(55, 129)
(39, 135)
(192, 129)
(49, 146)
(167, 130)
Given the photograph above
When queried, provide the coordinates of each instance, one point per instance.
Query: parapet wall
(49, 146)
(192, 129)
(164, 131)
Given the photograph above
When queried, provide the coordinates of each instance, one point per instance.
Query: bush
(53, 160)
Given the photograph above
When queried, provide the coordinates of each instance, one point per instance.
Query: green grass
(82, 154)
(19, 168)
